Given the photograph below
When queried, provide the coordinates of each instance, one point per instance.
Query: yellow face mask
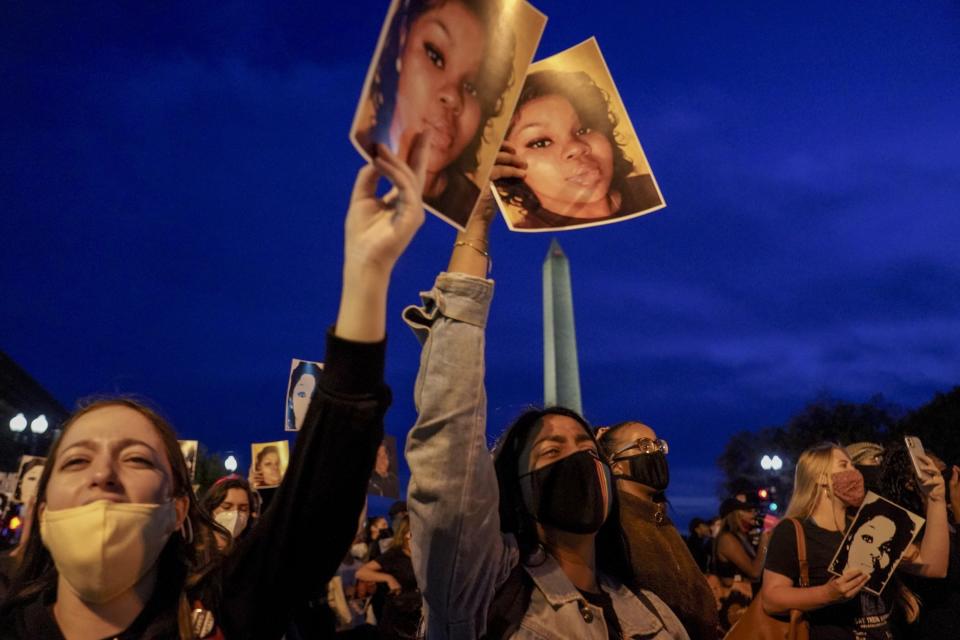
(104, 548)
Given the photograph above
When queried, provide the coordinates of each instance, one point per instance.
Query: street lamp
(18, 423)
(39, 424)
(230, 464)
(771, 463)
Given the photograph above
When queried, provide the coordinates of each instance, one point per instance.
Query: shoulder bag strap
(802, 553)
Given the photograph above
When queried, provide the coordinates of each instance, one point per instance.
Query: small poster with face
(304, 375)
(451, 69)
(384, 480)
(28, 477)
(270, 461)
(876, 541)
(585, 166)
(189, 450)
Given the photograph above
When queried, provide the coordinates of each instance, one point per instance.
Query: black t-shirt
(603, 600)
(865, 617)
(401, 611)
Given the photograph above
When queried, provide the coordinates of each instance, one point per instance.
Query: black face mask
(572, 494)
(649, 469)
(871, 476)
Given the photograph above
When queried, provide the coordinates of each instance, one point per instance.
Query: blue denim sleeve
(459, 554)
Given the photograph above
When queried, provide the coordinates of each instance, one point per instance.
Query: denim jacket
(459, 554)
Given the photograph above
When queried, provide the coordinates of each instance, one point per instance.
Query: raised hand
(931, 482)
(376, 233)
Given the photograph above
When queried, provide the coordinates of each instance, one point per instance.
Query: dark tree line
(936, 423)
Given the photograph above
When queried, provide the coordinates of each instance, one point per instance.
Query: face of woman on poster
(569, 165)
(302, 392)
(440, 60)
(869, 550)
(270, 468)
(382, 465)
(28, 486)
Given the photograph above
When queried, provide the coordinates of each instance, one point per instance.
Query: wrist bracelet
(462, 243)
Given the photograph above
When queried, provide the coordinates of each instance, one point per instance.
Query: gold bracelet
(462, 243)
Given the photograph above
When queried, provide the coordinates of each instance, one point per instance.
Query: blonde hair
(813, 465)
(400, 531)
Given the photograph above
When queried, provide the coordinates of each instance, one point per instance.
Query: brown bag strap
(802, 553)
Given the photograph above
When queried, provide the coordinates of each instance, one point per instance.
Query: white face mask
(104, 548)
(359, 550)
(232, 521)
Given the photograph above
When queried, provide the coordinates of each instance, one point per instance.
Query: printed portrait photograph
(269, 463)
(452, 68)
(28, 478)
(302, 384)
(189, 449)
(384, 480)
(875, 542)
(585, 166)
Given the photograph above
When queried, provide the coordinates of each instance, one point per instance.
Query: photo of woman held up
(584, 163)
(303, 382)
(875, 542)
(270, 461)
(449, 69)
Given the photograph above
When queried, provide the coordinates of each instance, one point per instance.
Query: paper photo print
(453, 69)
(270, 461)
(304, 375)
(876, 541)
(384, 480)
(189, 449)
(28, 477)
(585, 165)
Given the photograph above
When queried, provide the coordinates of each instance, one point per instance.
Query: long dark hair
(496, 72)
(182, 564)
(613, 556)
(592, 105)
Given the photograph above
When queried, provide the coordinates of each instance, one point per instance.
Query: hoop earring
(399, 65)
(188, 535)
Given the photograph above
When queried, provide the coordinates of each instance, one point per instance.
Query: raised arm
(459, 554)
(296, 547)
(934, 554)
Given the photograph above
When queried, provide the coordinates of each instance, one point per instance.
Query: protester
(659, 558)
(733, 553)
(826, 486)
(938, 599)
(122, 543)
(375, 530)
(699, 541)
(400, 617)
(519, 539)
(229, 500)
(866, 457)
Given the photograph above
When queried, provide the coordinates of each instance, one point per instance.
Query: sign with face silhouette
(270, 461)
(585, 166)
(384, 480)
(28, 478)
(876, 541)
(189, 449)
(451, 69)
(304, 375)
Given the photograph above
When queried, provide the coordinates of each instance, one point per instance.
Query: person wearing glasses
(660, 559)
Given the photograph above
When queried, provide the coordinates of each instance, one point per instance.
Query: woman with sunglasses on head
(660, 559)
(525, 544)
(123, 549)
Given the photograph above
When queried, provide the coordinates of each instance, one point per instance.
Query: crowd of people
(563, 530)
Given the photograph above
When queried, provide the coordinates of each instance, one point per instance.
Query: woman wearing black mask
(660, 559)
(526, 545)
(866, 457)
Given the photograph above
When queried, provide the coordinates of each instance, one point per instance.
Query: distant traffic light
(763, 494)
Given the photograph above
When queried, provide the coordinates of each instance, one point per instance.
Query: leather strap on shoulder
(802, 553)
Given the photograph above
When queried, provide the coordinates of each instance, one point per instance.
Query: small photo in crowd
(270, 460)
(304, 375)
(585, 165)
(452, 69)
(28, 478)
(384, 480)
(876, 541)
(189, 449)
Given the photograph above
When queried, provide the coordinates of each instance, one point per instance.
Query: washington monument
(561, 375)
